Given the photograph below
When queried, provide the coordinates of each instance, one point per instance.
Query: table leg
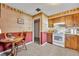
(13, 50)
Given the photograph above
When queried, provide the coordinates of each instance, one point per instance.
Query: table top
(6, 41)
(10, 40)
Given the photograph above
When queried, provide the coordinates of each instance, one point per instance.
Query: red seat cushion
(2, 36)
(16, 34)
(1, 48)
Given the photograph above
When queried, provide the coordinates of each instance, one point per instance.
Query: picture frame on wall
(20, 21)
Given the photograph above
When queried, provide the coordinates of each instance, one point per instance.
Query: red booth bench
(27, 38)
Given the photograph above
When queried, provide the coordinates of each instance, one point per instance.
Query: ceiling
(47, 8)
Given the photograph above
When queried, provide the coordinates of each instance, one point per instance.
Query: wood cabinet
(55, 20)
(49, 38)
(76, 19)
(50, 23)
(71, 42)
(78, 43)
(59, 20)
(69, 21)
(72, 20)
(67, 41)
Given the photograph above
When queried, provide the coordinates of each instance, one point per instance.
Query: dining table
(13, 41)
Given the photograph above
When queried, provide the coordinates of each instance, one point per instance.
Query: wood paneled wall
(9, 18)
(0, 9)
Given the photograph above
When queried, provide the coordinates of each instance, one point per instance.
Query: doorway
(37, 31)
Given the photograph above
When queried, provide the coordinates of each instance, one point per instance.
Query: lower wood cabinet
(67, 41)
(49, 38)
(72, 42)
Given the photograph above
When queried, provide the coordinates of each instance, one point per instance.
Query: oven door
(59, 39)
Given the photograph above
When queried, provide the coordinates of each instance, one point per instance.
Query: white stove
(59, 34)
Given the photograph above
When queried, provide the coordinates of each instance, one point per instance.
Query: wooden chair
(14, 49)
(21, 37)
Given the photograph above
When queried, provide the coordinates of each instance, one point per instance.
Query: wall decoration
(20, 21)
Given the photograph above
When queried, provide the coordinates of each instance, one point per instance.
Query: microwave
(69, 30)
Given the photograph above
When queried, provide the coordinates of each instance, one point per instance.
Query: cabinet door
(49, 38)
(50, 22)
(73, 42)
(62, 19)
(59, 20)
(78, 43)
(69, 20)
(76, 19)
(67, 42)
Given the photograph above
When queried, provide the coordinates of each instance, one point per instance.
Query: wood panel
(50, 22)
(76, 19)
(69, 20)
(68, 12)
(67, 41)
(71, 42)
(49, 38)
(78, 43)
(55, 20)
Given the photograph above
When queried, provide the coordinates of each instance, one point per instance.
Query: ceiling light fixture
(38, 9)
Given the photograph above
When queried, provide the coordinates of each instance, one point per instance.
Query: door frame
(39, 30)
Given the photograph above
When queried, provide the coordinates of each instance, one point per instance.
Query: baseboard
(44, 44)
(10, 49)
(29, 43)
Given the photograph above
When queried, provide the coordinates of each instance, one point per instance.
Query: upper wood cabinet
(72, 20)
(59, 20)
(50, 23)
(69, 20)
(76, 19)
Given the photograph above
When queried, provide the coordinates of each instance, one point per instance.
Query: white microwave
(69, 30)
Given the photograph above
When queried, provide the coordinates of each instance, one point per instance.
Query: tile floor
(34, 49)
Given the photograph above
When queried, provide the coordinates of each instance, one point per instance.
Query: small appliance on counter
(72, 30)
(69, 30)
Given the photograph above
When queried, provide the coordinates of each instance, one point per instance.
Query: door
(76, 19)
(37, 31)
(73, 43)
(69, 20)
(67, 41)
(49, 38)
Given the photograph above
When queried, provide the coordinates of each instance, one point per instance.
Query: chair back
(18, 39)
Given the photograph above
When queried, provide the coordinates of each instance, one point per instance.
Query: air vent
(38, 9)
